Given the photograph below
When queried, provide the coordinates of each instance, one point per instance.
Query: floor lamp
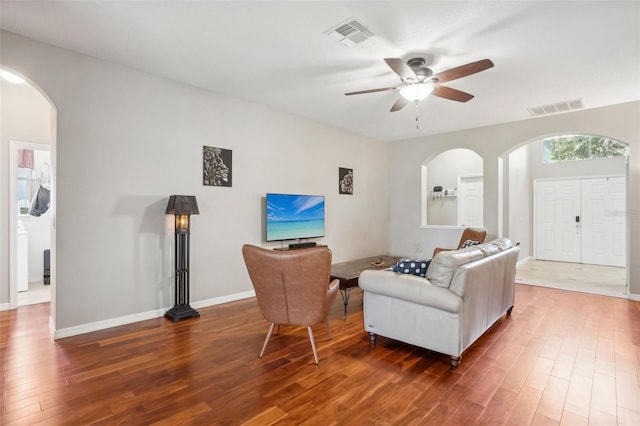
(182, 207)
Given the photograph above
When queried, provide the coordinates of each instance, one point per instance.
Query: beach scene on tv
(291, 217)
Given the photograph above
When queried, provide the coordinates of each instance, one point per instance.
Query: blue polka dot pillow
(412, 266)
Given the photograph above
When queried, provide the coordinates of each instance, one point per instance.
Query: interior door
(470, 201)
(604, 221)
(557, 208)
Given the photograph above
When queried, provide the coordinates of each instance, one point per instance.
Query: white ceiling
(277, 54)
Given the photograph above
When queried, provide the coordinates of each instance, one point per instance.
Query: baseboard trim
(634, 297)
(223, 299)
(5, 306)
(142, 316)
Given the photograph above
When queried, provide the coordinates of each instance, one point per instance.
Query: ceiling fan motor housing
(421, 72)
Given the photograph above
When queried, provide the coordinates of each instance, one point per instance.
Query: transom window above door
(581, 147)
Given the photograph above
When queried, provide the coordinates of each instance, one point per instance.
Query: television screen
(291, 216)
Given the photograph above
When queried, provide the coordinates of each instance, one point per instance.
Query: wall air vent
(351, 32)
(563, 106)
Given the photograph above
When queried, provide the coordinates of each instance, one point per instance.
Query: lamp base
(179, 312)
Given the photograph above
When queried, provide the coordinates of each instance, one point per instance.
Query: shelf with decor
(447, 193)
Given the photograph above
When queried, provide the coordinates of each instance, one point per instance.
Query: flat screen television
(291, 216)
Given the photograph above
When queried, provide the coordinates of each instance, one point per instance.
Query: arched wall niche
(451, 180)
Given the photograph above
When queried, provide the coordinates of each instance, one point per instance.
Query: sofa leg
(509, 310)
(372, 338)
(455, 360)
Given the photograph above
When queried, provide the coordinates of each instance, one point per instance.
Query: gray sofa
(463, 294)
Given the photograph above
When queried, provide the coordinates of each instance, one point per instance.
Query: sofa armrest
(410, 288)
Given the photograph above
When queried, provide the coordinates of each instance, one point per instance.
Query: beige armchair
(292, 287)
(477, 235)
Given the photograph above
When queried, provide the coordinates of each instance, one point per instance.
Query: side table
(349, 272)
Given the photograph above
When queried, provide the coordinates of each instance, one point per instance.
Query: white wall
(127, 140)
(25, 116)
(520, 201)
(618, 122)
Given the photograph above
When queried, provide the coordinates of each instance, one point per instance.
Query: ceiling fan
(418, 81)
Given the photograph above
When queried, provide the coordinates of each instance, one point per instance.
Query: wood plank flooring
(561, 358)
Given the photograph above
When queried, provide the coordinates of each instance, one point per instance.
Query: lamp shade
(416, 92)
(182, 204)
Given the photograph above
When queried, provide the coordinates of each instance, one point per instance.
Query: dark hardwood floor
(561, 358)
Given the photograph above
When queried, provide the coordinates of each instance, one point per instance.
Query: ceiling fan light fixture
(416, 92)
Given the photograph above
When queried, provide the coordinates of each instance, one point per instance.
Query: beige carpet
(37, 293)
(594, 279)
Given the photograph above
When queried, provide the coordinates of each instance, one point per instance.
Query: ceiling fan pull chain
(417, 123)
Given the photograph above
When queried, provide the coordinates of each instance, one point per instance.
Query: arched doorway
(28, 138)
(528, 173)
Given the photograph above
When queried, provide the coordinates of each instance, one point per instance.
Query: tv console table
(349, 272)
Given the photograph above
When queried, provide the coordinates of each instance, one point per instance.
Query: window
(580, 147)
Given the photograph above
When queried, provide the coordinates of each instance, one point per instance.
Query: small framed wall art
(345, 181)
(216, 166)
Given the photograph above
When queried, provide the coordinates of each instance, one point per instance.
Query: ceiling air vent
(351, 32)
(563, 106)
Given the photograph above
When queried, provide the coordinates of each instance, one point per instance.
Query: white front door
(557, 209)
(470, 201)
(604, 221)
(581, 221)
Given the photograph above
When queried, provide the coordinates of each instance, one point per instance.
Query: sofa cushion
(502, 243)
(444, 265)
(488, 249)
(495, 246)
(412, 266)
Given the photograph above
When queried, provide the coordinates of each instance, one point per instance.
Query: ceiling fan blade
(463, 70)
(451, 94)
(383, 89)
(402, 69)
(400, 103)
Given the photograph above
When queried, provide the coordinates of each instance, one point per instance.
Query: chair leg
(264, 346)
(329, 329)
(313, 343)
